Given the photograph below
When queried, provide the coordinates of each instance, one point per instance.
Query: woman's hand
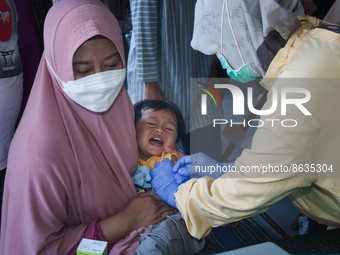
(153, 91)
(141, 211)
(146, 209)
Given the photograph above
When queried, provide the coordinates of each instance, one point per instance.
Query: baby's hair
(158, 105)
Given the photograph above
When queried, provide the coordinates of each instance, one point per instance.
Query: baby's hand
(183, 174)
(173, 158)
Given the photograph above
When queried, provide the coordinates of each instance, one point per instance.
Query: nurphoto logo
(204, 97)
(239, 102)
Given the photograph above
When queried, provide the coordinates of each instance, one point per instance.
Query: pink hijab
(67, 166)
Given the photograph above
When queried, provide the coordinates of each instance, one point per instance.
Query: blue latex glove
(182, 170)
(163, 181)
(192, 166)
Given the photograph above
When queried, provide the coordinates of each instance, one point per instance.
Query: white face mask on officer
(95, 92)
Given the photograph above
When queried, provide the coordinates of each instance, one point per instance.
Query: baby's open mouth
(156, 142)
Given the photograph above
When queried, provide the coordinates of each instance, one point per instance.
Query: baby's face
(155, 130)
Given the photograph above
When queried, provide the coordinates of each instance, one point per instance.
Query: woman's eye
(111, 66)
(83, 72)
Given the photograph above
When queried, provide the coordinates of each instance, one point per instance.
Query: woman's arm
(45, 215)
(141, 211)
(122, 224)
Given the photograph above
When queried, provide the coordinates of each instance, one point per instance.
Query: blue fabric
(142, 178)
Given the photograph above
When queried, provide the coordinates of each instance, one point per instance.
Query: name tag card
(92, 247)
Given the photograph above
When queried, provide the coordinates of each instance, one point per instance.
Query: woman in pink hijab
(74, 152)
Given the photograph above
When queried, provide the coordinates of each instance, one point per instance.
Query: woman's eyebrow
(82, 62)
(112, 55)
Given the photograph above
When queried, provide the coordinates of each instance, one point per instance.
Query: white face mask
(95, 92)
